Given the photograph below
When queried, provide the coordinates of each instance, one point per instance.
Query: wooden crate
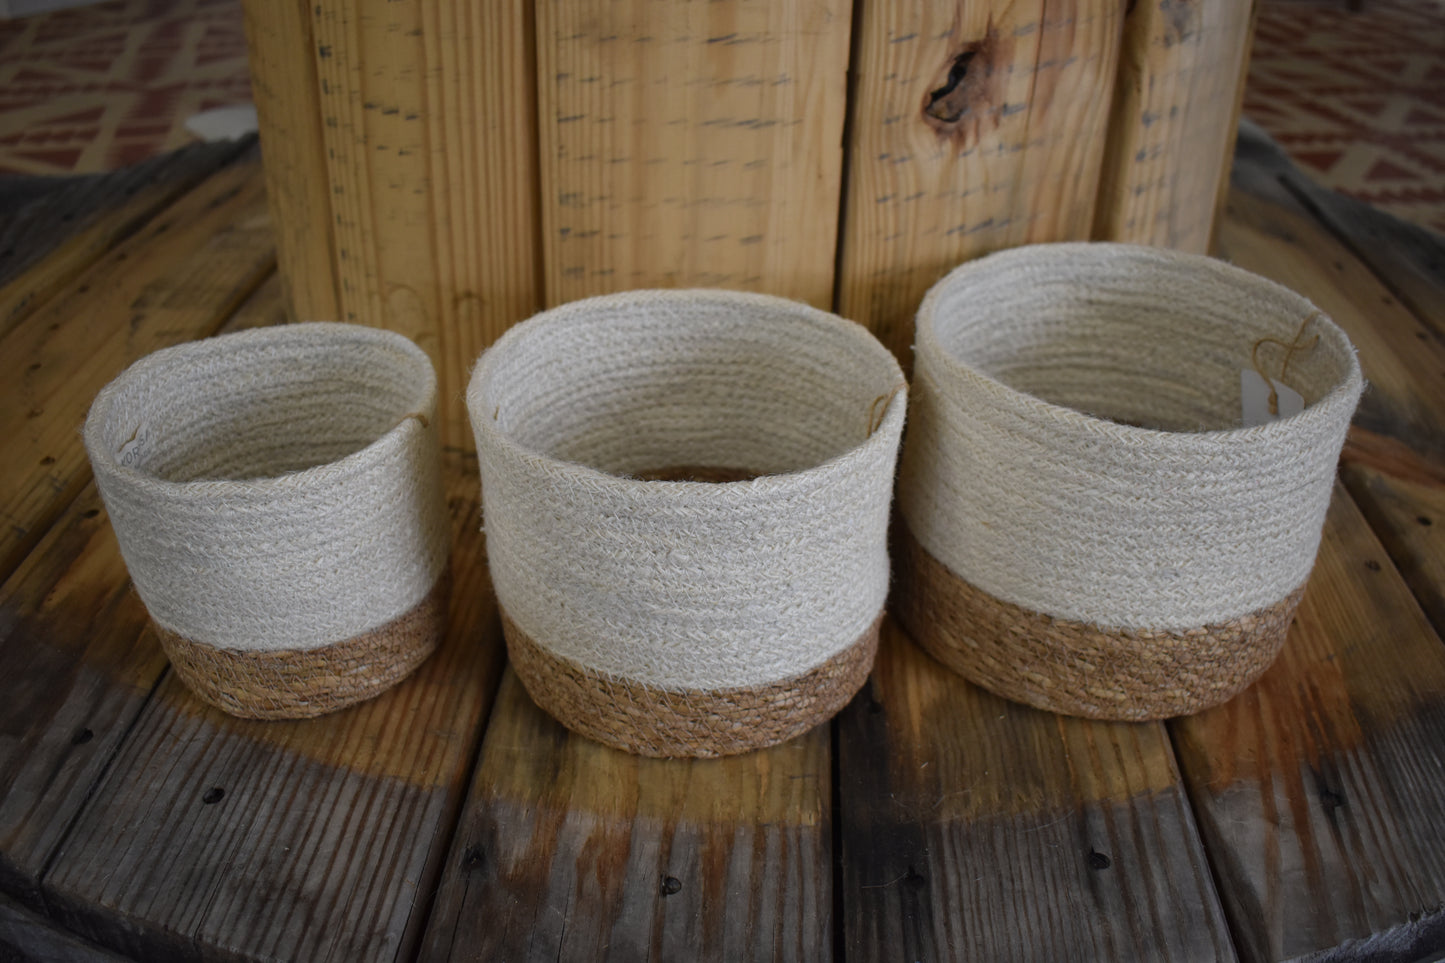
(446, 170)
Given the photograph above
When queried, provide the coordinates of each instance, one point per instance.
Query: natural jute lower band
(699, 723)
(304, 683)
(1075, 668)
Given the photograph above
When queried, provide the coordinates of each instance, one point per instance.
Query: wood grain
(1006, 153)
(307, 840)
(285, 89)
(1409, 519)
(1317, 791)
(975, 828)
(53, 228)
(691, 144)
(1171, 134)
(177, 278)
(570, 850)
(428, 120)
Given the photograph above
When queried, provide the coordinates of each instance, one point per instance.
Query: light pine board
(691, 144)
(1176, 108)
(1010, 155)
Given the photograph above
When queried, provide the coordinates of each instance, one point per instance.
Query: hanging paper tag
(1254, 399)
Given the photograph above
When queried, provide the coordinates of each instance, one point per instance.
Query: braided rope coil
(276, 490)
(1075, 447)
(688, 586)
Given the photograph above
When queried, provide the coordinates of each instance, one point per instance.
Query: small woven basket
(277, 497)
(1087, 527)
(686, 497)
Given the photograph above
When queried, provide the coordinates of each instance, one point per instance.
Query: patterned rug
(94, 88)
(1357, 98)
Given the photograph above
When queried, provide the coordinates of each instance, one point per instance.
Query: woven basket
(1087, 527)
(686, 497)
(277, 497)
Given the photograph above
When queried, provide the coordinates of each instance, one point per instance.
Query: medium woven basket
(1087, 526)
(277, 497)
(686, 501)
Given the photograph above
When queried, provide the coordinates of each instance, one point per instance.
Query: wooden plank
(1408, 258)
(75, 669)
(27, 936)
(569, 850)
(693, 144)
(53, 228)
(288, 111)
(975, 828)
(178, 278)
(320, 839)
(1317, 790)
(429, 120)
(1176, 103)
(1408, 516)
(975, 126)
(1403, 358)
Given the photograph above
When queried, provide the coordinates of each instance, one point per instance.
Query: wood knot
(964, 100)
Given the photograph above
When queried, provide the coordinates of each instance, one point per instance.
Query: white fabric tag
(1254, 399)
(134, 450)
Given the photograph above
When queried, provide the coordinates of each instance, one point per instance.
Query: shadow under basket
(686, 499)
(277, 497)
(1092, 518)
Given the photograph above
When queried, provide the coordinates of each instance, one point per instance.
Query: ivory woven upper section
(688, 585)
(277, 488)
(1020, 477)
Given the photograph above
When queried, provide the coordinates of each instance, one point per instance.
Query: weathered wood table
(450, 819)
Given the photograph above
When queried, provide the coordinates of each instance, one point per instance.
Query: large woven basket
(1087, 525)
(686, 502)
(277, 497)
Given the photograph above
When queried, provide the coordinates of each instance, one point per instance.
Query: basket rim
(324, 474)
(684, 490)
(1341, 397)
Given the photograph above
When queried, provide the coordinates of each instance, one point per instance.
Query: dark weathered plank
(1408, 516)
(1408, 258)
(177, 278)
(74, 668)
(27, 937)
(572, 851)
(316, 840)
(1318, 790)
(53, 228)
(979, 829)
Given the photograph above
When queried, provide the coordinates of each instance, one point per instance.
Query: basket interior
(245, 408)
(1137, 338)
(650, 384)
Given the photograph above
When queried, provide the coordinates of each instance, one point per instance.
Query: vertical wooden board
(1408, 516)
(691, 144)
(1171, 133)
(53, 228)
(1318, 790)
(176, 279)
(979, 829)
(569, 850)
(975, 126)
(75, 668)
(311, 840)
(285, 88)
(428, 121)
(1402, 357)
